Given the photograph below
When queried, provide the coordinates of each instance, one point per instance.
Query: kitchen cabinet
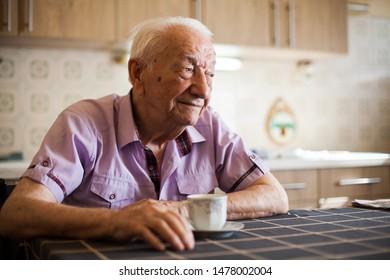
(239, 22)
(301, 187)
(319, 25)
(327, 187)
(131, 12)
(65, 19)
(9, 17)
(364, 183)
(304, 25)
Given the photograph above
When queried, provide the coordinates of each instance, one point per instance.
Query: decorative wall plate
(281, 123)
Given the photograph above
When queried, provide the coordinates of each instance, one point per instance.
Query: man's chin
(190, 121)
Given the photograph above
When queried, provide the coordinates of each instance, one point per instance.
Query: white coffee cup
(207, 211)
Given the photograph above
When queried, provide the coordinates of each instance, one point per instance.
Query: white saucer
(226, 231)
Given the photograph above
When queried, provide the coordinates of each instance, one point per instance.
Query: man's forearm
(258, 200)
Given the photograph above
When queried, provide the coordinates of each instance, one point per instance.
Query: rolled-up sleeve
(64, 155)
(237, 166)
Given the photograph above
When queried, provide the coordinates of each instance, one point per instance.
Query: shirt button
(151, 168)
(112, 196)
(45, 163)
(252, 156)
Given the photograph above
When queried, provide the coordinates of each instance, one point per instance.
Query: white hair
(147, 38)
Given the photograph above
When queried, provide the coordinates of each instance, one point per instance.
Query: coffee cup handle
(183, 209)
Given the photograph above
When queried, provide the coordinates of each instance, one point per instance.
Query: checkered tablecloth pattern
(342, 233)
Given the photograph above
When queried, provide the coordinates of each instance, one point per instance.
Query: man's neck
(154, 131)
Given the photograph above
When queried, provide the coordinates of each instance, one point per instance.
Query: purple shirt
(92, 156)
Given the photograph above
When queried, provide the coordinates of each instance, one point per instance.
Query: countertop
(329, 160)
(13, 169)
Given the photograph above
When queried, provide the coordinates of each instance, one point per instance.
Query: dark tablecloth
(342, 233)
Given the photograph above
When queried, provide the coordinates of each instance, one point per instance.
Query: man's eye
(210, 74)
(187, 72)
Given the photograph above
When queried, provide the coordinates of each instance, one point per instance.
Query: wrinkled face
(178, 87)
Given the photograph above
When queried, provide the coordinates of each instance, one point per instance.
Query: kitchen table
(339, 233)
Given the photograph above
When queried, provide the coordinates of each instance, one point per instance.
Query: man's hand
(154, 223)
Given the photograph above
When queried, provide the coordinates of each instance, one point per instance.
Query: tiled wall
(343, 105)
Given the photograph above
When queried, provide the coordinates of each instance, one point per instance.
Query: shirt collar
(127, 131)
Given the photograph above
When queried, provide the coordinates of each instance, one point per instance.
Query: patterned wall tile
(7, 137)
(104, 71)
(39, 102)
(7, 102)
(381, 29)
(39, 69)
(73, 70)
(382, 56)
(36, 135)
(70, 98)
(7, 68)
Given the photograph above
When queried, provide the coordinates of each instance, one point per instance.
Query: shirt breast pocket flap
(113, 189)
(197, 184)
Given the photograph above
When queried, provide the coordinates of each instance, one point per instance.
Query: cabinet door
(68, 19)
(319, 25)
(301, 187)
(132, 12)
(9, 17)
(365, 182)
(241, 22)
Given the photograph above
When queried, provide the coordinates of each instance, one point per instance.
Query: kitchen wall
(343, 103)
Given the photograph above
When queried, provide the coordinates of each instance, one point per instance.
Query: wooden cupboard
(319, 25)
(365, 182)
(301, 187)
(131, 12)
(320, 188)
(65, 19)
(245, 22)
(302, 25)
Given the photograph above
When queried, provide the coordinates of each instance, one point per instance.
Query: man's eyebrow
(190, 58)
(193, 59)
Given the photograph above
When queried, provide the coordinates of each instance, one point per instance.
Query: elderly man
(118, 167)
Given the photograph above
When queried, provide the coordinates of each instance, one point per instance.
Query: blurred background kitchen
(307, 75)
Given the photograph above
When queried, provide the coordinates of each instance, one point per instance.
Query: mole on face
(159, 79)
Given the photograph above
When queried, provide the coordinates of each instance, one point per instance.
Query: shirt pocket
(114, 192)
(196, 184)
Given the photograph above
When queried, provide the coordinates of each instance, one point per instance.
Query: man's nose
(201, 85)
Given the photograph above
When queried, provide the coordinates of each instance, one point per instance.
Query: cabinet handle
(27, 18)
(30, 15)
(291, 24)
(294, 186)
(359, 181)
(275, 23)
(8, 21)
(198, 9)
(9, 16)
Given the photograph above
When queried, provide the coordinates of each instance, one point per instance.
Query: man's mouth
(193, 104)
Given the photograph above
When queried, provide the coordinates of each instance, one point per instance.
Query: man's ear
(135, 70)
